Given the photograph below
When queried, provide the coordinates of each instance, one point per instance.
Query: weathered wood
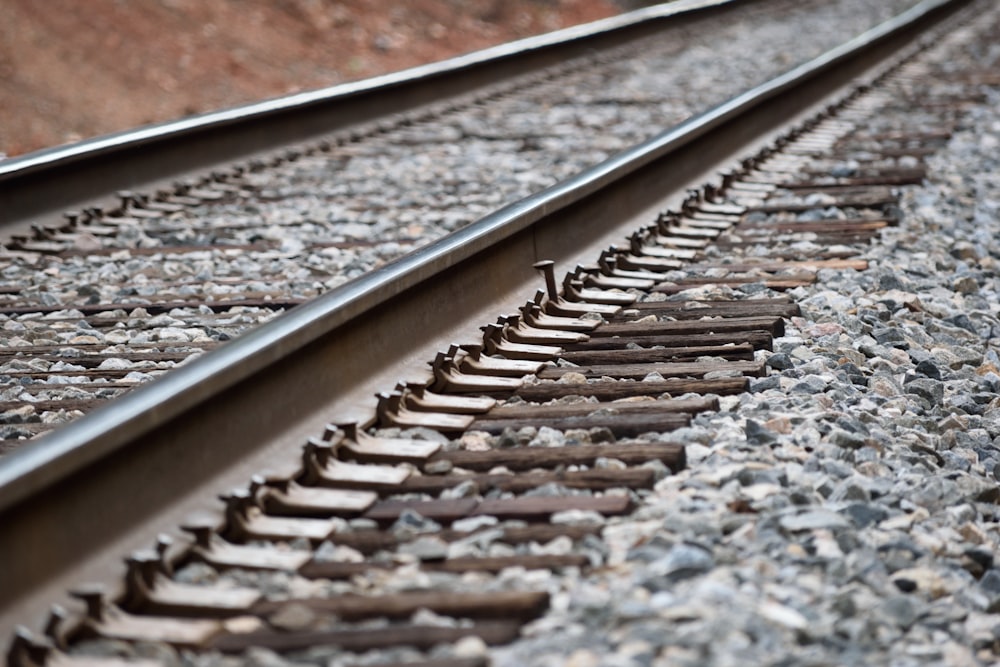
(848, 150)
(34, 351)
(739, 351)
(621, 425)
(540, 508)
(529, 507)
(370, 541)
(668, 369)
(696, 309)
(282, 301)
(440, 510)
(526, 458)
(832, 189)
(779, 252)
(95, 360)
(89, 388)
(758, 338)
(259, 526)
(224, 555)
(317, 501)
(339, 570)
(66, 404)
(939, 135)
(497, 563)
(782, 265)
(166, 597)
(89, 373)
(181, 632)
(774, 325)
(364, 448)
(346, 475)
(677, 405)
(497, 604)
(776, 240)
(543, 533)
(611, 390)
(364, 639)
(632, 478)
(801, 280)
(853, 226)
(913, 177)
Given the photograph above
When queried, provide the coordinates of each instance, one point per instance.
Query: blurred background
(71, 70)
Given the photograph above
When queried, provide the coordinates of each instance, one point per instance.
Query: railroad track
(385, 530)
(121, 292)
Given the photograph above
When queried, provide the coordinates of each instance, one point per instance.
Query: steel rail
(90, 171)
(107, 483)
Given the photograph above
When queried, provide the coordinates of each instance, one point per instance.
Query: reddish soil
(72, 70)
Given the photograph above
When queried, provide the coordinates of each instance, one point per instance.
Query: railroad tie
(454, 476)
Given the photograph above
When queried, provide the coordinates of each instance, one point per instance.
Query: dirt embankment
(71, 70)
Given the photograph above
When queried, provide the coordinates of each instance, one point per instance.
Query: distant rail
(47, 182)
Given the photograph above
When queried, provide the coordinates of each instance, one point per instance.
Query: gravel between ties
(842, 512)
(377, 199)
(846, 514)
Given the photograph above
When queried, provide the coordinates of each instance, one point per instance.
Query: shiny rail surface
(314, 366)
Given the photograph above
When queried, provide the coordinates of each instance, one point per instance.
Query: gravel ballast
(844, 511)
(315, 223)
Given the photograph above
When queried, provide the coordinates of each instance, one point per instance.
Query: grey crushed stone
(400, 189)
